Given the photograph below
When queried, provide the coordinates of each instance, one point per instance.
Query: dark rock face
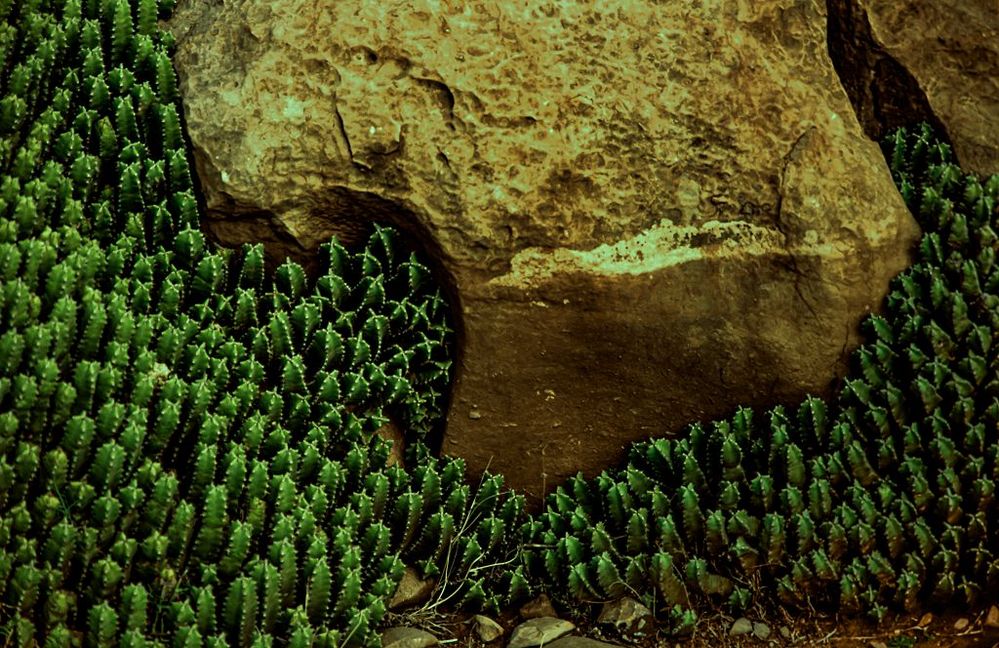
(644, 215)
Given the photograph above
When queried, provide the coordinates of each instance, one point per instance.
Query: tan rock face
(951, 47)
(648, 213)
(927, 59)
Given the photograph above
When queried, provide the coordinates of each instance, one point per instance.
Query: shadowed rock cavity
(646, 213)
(348, 216)
(883, 92)
(339, 212)
(907, 61)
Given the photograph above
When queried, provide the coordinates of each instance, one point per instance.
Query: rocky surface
(486, 629)
(412, 590)
(540, 606)
(646, 213)
(406, 637)
(740, 626)
(775, 628)
(761, 630)
(949, 49)
(627, 615)
(539, 632)
(573, 641)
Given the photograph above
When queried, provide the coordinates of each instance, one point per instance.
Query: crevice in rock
(884, 94)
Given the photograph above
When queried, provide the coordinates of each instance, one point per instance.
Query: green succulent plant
(188, 447)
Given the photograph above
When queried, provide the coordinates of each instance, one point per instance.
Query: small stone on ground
(537, 608)
(412, 590)
(487, 629)
(761, 630)
(404, 637)
(740, 626)
(992, 618)
(540, 631)
(573, 641)
(961, 624)
(626, 614)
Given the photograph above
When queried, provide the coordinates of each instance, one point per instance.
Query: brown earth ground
(712, 630)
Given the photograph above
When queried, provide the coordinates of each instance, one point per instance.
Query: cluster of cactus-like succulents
(885, 499)
(188, 447)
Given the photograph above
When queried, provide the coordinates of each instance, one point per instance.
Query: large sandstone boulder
(926, 59)
(646, 213)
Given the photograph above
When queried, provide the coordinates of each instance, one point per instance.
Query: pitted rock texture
(936, 60)
(646, 213)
